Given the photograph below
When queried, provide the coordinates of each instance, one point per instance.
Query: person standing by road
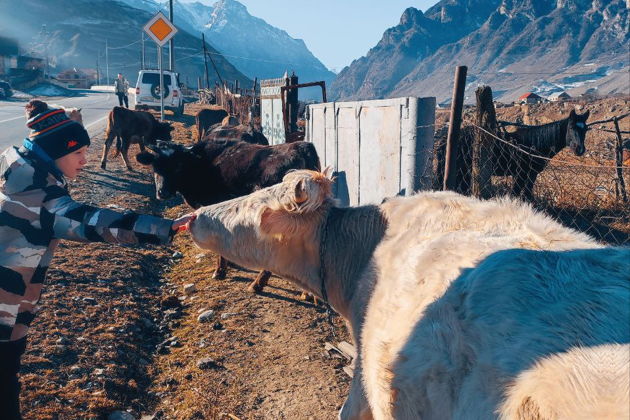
(121, 87)
(36, 211)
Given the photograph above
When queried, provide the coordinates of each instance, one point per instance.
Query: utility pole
(214, 66)
(205, 60)
(171, 52)
(98, 74)
(142, 50)
(106, 62)
(44, 37)
(161, 85)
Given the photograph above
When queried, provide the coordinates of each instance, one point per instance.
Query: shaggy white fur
(462, 309)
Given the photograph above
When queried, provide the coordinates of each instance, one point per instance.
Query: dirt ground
(116, 330)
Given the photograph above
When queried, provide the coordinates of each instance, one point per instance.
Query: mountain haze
(77, 31)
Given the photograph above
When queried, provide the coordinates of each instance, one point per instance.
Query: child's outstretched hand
(181, 224)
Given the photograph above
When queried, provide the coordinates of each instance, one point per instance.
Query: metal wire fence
(582, 188)
(243, 105)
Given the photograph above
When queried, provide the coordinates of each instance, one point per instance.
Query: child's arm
(81, 222)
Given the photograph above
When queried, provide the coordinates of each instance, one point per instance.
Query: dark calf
(208, 117)
(130, 127)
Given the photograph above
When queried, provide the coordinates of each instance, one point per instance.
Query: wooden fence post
(482, 147)
(619, 162)
(452, 141)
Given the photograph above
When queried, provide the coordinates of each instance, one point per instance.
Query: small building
(8, 55)
(530, 98)
(29, 63)
(77, 78)
(559, 96)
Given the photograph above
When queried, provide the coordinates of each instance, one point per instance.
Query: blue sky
(336, 31)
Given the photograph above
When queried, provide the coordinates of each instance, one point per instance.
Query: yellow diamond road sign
(160, 29)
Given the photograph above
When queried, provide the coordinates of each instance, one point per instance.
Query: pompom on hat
(54, 132)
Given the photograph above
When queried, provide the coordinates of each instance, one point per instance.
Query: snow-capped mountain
(251, 44)
(259, 49)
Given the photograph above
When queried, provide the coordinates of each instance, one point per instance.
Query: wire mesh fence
(578, 180)
(206, 97)
(240, 105)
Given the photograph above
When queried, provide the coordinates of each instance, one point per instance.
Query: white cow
(460, 308)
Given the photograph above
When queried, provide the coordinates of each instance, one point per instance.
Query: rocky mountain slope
(513, 45)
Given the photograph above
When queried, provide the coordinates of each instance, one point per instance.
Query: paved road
(95, 106)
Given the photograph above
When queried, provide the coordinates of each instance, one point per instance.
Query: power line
(199, 54)
(254, 59)
(126, 65)
(124, 46)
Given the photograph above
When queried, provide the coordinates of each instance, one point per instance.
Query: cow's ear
(280, 224)
(305, 191)
(584, 116)
(300, 194)
(298, 202)
(145, 158)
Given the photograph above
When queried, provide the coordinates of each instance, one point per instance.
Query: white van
(148, 91)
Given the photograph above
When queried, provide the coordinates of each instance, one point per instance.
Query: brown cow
(226, 131)
(208, 117)
(132, 127)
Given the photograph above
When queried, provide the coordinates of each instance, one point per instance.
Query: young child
(36, 211)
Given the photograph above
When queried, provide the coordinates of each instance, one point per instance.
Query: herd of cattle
(459, 308)
(229, 160)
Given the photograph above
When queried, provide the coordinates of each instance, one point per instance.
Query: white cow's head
(276, 228)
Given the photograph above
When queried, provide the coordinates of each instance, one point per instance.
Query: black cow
(130, 127)
(207, 118)
(216, 124)
(239, 132)
(210, 172)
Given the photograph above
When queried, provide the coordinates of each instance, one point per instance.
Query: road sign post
(161, 85)
(161, 30)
